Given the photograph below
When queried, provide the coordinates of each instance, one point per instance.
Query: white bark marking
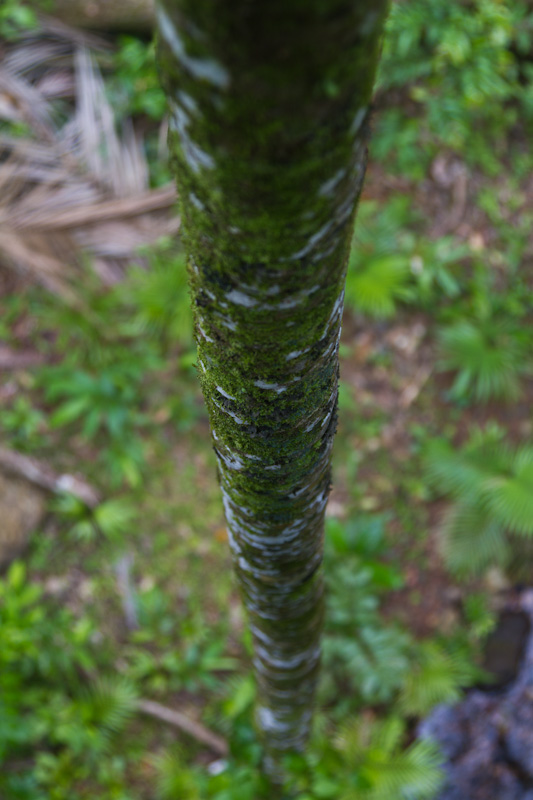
(221, 391)
(276, 387)
(241, 299)
(195, 157)
(196, 202)
(327, 188)
(237, 419)
(206, 69)
(358, 120)
(313, 241)
(204, 334)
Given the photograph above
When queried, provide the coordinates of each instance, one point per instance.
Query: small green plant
(16, 19)
(376, 661)
(133, 85)
(58, 719)
(436, 675)
(173, 778)
(367, 760)
(461, 65)
(24, 424)
(108, 705)
(361, 652)
(491, 484)
(480, 615)
(489, 356)
(364, 759)
(160, 296)
(391, 262)
(113, 518)
(106, 402)
(379, 264)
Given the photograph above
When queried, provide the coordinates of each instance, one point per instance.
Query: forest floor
(91, 387)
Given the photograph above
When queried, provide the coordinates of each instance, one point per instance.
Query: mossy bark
(269, 104)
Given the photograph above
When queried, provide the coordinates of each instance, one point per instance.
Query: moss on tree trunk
(269, 109)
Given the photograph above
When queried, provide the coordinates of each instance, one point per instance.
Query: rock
(22, 507)
(497, 782)
(519, 735)
(487, 738)
(444, 727)
(505, 648)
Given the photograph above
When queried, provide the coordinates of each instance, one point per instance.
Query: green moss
(269, 117)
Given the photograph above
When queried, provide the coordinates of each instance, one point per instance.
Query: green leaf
(472, 539)
(16, 575)
(69, 411)
(511, 498)
(374, 288)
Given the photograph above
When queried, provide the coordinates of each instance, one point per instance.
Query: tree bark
(269, 103)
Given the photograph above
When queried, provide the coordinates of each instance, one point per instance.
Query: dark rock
(519, 733)
(495, 782)
(487, 738)
(504, 649)
(444, 727)
(451, 792)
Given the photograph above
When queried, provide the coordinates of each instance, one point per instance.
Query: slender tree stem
(269, 104)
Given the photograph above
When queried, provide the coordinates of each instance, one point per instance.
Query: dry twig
(74, 185)
(195, 729)
(43, 476)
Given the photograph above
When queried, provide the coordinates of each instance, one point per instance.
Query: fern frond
(374, 287)
(161, 296)
(472, 539)
(354, 738)
(462, 472)
(382, 770)
(438, 677)
(414, 774)
(510, 497)
(174, 780)
(488, 358)
(110, 703)
(387, 735)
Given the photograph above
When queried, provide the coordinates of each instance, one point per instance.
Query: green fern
(374, 287)
(461, 472)
(472, 540)
(382, 769)
(160, 296)
(174, 781)
(492, 486)
(110, 703)
(360, 651)
(379, 265)
(510, 497)
(488, 357)
(436, 677)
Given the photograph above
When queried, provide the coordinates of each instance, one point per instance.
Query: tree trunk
(269, 103)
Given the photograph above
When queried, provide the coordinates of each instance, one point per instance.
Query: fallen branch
(43, 476)
(105, 211)
(104, 15)
(11, 359)
(195, 729)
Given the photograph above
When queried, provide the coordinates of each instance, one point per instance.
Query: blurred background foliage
(429, 522)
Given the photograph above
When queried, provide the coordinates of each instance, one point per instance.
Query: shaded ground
(487, 739)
